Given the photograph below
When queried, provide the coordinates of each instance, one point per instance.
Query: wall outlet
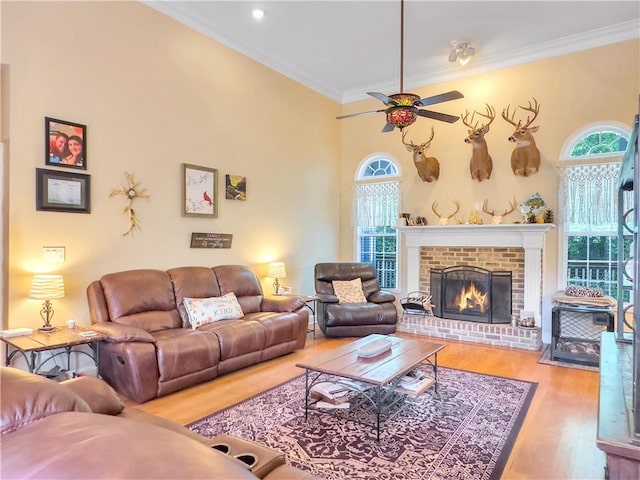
(53, 254)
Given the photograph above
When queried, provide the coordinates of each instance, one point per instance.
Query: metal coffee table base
(384, 402)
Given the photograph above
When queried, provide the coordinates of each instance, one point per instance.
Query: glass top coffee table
(375, 379)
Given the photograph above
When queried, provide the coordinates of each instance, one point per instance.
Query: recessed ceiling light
(257, 13)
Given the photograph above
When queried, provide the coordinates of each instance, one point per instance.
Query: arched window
(376, 206)
(589, 167)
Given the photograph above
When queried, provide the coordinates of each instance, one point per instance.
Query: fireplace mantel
(530, 237)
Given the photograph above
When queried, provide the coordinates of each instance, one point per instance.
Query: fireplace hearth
(472, 294)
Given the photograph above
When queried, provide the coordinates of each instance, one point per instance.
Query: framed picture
(199, 191)
(235, 187)
(65, 143)
(58, 191)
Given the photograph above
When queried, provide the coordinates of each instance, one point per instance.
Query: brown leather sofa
(377, 315)
(151, 349)
(80, 429)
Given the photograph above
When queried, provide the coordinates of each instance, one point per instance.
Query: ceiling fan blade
(388, 127)
(361, 113)
(438, 116)
(443, 97)
(383, 98)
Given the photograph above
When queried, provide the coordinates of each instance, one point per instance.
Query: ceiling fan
(402, 109)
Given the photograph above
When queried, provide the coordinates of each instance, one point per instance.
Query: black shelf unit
(628, 270)
(576, 332)
(619, 397)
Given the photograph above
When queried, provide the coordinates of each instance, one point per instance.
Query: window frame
(567, 161)
(360, 178)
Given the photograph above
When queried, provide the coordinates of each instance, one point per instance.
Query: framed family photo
(65, 143)
(58, 191)
(199, 191)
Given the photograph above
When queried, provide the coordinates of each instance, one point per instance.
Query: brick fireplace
(514, 247)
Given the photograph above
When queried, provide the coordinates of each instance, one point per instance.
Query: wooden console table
(614, 407)
(63, 338)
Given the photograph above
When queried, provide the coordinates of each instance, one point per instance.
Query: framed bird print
(199, 191)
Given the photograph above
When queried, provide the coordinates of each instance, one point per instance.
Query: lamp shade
(276, 270)
(46, 287)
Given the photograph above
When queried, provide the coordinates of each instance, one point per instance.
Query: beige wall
(154, 94)
(574, 91)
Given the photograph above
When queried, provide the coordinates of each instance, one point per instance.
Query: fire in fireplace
(471, 293)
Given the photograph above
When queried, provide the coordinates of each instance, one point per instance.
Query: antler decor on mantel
(497, 219)
(131, 192)
(444, 220)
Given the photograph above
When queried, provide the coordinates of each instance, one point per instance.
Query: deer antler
(411, 144)
(496, 219)
(490, 115)
(444, 220)
(505, 115)
(535, 109)
(464, 120)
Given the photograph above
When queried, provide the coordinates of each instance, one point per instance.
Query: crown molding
(283, 68)
(439, 70)
(563, 46)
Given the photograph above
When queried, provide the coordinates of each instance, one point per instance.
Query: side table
(63, 338)
(310, 301)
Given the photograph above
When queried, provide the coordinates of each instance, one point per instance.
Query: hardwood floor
(557, 439)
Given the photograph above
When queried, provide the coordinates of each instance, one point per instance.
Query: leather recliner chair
(377, 315)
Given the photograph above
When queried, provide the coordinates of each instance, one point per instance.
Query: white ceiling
(343, 49)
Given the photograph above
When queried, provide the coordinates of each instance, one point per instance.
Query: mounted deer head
(444, 220)
(481, 164)
(525, 158)
(428, 167)
(497, 219)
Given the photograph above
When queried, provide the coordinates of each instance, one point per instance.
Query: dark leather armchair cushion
(355, 314)
(378, 315)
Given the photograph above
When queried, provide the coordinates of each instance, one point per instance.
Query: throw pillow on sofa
(349, 291)
(207, 310)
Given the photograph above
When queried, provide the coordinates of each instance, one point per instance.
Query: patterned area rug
(465, 431)
(545, 358)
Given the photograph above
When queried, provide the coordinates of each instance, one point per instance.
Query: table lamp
(276, 271)
(46, 287)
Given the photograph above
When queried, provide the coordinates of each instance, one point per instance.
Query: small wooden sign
(211, 240)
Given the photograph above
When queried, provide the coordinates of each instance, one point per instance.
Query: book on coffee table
(414, 383)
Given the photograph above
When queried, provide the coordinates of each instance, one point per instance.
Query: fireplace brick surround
(499, 335)
(514, 247)
(491, 258)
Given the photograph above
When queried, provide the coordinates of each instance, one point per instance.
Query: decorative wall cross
(131, 192)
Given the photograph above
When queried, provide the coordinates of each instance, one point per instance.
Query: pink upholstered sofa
(151, 349)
